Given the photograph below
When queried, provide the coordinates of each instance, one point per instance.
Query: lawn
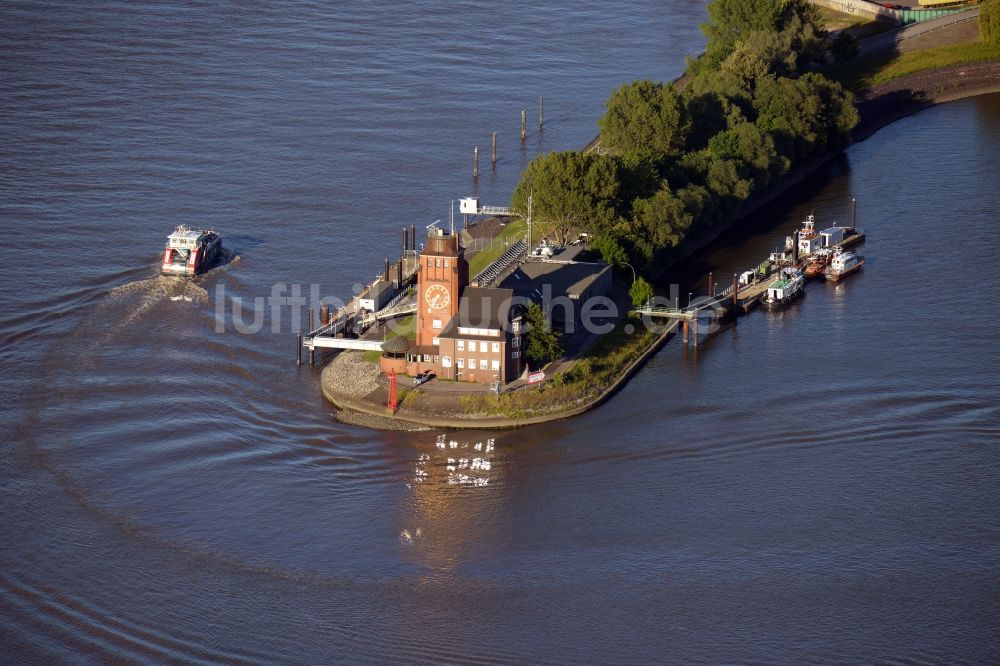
(865, 73)
(491, 252)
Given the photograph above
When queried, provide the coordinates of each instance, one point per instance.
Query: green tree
(610, 249)
(645, 116)
(806, 115)
(844, 46)
(543, 343)
(569, 190)
(796, 24)
(659, 221)
(754, 150)
(989, 21)
(641, 292)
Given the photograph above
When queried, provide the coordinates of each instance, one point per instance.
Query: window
(515, 326)
(472, 345)
(436, 341)
(437, 263)
(460, 345)
(516, 354)
(483, 364)
(436, 323)
(515, 342)
(460, 362)
(496, 347)
(446, 263)
(496, 366)
(446, 361)
(472, 364)
(437, 358)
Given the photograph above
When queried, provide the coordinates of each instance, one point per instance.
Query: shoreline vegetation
(756, 116)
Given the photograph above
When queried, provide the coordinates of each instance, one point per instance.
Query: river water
(812, 486)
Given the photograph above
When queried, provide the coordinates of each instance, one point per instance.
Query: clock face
(437, 296)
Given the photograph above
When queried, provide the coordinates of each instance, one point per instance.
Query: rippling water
(815, 485)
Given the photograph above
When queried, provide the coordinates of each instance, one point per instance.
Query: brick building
(462, 333)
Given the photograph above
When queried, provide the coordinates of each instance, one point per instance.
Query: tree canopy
(646, 116)
(569, 190)
(784, 30)
(641, 292)
(543, 343)
(681, 161)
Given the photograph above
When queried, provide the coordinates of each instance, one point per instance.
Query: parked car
(423, 378)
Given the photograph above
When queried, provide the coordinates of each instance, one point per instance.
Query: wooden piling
(795, 247)
(298, 349)
(541, 111)
(493, 159)
(711, 286)
(386, 274)
(324, 314)
(475, 162)
(413, 238)
(405, 233)
(685, 328)
(854, 213)
(694, 329)
(736, 292)
(312, 359)
(524, 125)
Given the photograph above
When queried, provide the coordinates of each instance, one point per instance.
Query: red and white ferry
(190, 251)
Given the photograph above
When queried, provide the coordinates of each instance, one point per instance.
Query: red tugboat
(190, 251)
(817, 264)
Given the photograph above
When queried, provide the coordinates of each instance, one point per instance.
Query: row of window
(491, 332)
(482, 346)
(483, 364)
(436, 261)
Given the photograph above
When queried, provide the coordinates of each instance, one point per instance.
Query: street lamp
(633, 270)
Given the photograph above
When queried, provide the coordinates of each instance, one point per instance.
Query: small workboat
(190, 251)
(843, 263)
(788, 286)
(817, 263)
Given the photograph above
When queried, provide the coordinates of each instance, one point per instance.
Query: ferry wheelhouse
(190, 251)
(843, 263)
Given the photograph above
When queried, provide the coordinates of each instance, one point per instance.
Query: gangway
(388, 313)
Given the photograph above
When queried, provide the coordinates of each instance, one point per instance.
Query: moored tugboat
(190, 251)
(843, 263)
(788, 286)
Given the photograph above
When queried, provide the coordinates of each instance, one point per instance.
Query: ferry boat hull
(833, 275)
(190, 252)
(786, 288)
(778, 303)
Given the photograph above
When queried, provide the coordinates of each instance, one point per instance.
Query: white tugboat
(843, 263)
(786, 288)
(190, 251)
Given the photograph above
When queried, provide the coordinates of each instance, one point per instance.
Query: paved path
(951, 29)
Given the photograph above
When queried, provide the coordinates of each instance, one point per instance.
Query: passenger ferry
(788, 286)
(843, 263)
(190, 251)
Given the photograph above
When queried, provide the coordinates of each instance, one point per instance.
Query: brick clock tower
(443, 274)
